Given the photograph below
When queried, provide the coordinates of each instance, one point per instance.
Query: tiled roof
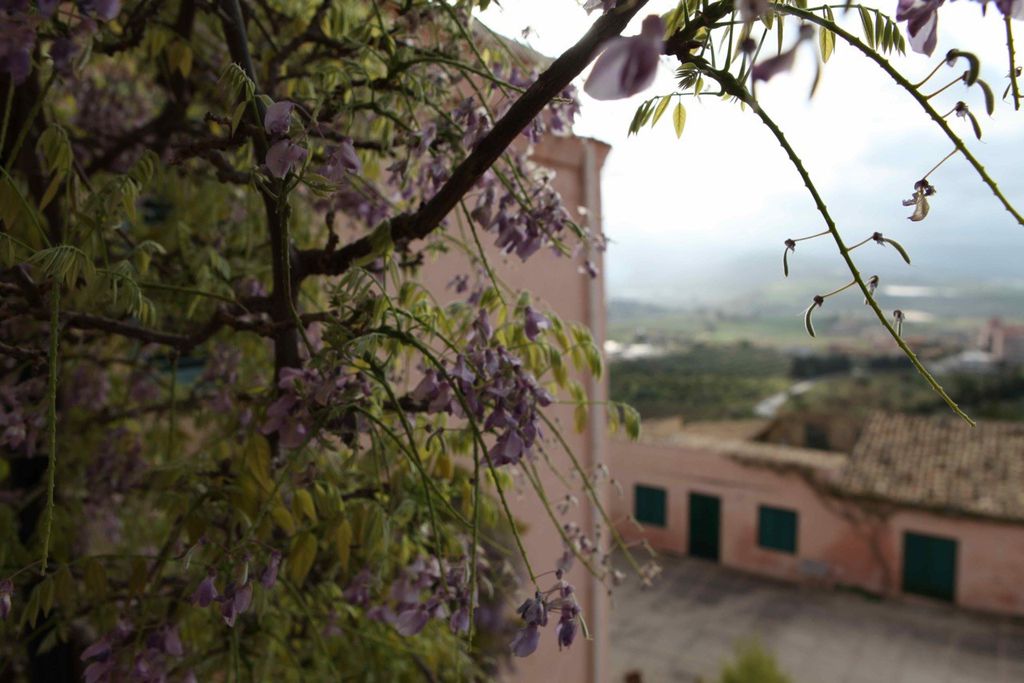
(940, 463)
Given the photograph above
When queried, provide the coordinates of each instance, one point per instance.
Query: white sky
(681, 212)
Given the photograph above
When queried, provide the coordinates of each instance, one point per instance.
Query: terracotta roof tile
(940, 462)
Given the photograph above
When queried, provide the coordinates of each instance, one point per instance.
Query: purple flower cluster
(520, 229)
(88, 387)
(426, 589)
(162, 648)
(534, 611)
(19, 27)
(302, 391)
(284, 154)
(491, 383)
(21, 417)
(234, 601)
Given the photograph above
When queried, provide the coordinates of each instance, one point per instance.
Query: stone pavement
(687, 624)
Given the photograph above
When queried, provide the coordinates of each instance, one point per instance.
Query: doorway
(705, 526)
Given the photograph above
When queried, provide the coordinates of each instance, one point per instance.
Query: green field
(703, 382)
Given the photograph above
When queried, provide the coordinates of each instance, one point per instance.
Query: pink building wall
(556, 285)
(840, 541)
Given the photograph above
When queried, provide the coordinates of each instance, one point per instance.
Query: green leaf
(557, 366)
(580, 417)
(631, 420)
(179, 57)
(301, 557)
(659, 110)
(95, 578)
(679, 119)
(64, 263)
(47, 591)
(236, 115)
(865, 20)
(303, 504)
(343, 541)
(826, 42)
(51, 191)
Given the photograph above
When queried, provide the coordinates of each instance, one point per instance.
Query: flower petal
(278, 118)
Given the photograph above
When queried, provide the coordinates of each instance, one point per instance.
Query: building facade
(920, 508)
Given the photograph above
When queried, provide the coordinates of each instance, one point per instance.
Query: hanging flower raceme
(628, 65)
(534, 611)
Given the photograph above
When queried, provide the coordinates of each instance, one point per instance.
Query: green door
(705, 520)
(929, 566)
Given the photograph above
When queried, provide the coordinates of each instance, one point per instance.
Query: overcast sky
(687, 216)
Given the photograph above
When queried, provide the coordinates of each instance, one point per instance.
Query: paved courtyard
(687, 624)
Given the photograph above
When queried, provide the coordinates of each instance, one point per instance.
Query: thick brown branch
(426, 219)
(181, 342)
(283, 297)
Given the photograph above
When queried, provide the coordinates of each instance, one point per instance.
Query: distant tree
(240, 441)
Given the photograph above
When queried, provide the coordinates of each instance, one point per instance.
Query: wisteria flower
(535, 322)
(526, 641)
(236, 603)
(342, 161)
(567, 626)
(283, 156)
(628, 65)
(278, 118)
(411, 621)
(753, 9)
(206, 592)
(17, 40)
(1011, 8)
(459, 622)
(922, 23)
(922, 190)
(269, 576)
(769, 68)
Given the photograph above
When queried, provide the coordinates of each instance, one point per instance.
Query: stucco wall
(556, 284)
(839, 540)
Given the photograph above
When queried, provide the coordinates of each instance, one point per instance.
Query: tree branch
(408, 227)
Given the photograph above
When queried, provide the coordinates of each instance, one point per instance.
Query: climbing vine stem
(737, 90)
(51, 419)
(909, 87)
